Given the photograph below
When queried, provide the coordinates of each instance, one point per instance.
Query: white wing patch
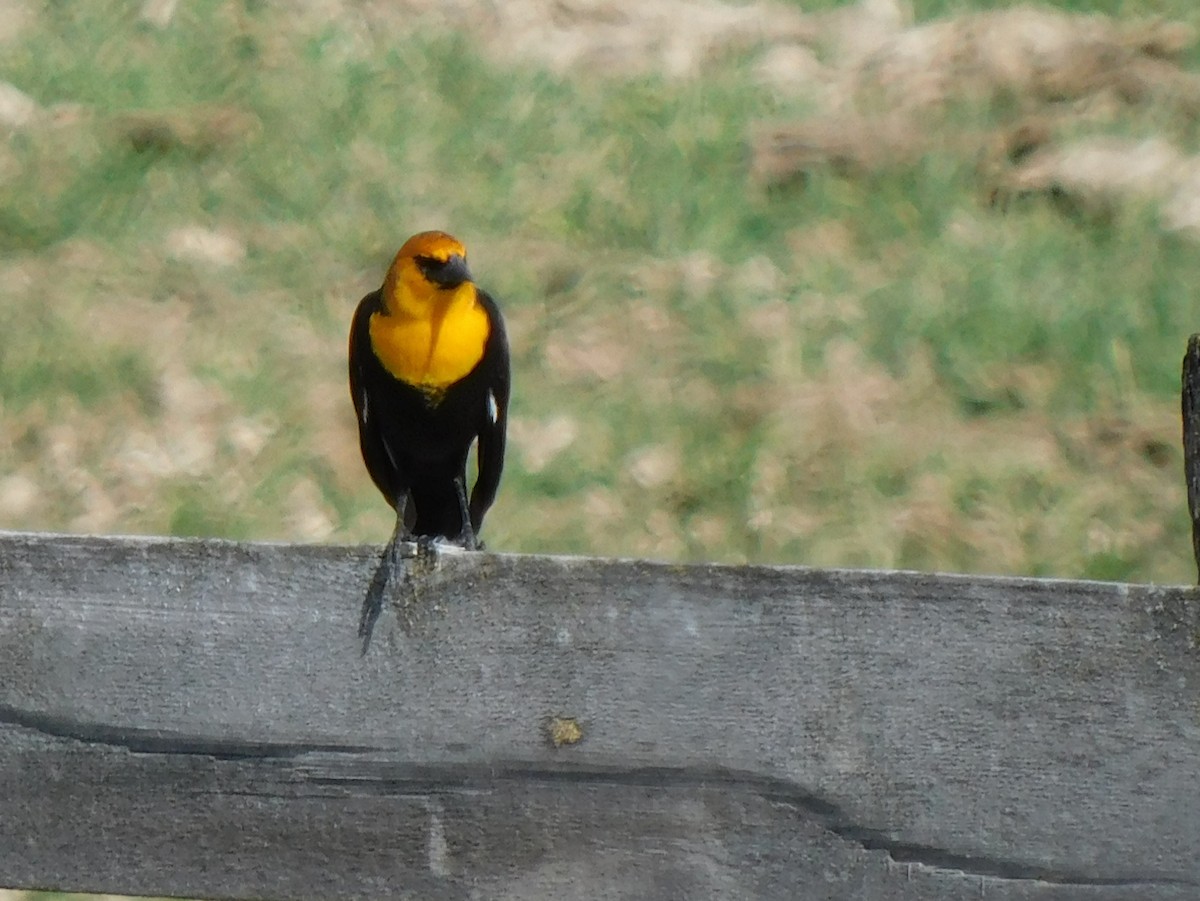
(363, 413)
(493, 410)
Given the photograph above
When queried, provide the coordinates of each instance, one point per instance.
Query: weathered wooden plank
(195, 718)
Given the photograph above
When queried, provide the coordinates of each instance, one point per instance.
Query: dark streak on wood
(197, 719)
(1191, 438)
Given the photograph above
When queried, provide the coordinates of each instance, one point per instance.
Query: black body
(415, 449)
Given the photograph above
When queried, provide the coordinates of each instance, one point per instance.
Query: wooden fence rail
(196, 718)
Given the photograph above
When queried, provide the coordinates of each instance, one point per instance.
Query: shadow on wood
(196, 718)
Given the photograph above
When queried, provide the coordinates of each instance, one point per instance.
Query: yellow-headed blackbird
(429, 375)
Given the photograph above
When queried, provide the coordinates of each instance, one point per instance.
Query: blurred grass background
(874, 371)
(858, 370)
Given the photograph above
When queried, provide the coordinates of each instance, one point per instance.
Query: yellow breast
(436, 348)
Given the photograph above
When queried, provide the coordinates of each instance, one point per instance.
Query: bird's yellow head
(433, 329)
(427, 271)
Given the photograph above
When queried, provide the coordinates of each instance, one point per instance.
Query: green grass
(875, 370)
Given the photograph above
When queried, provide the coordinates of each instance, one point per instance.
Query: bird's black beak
(449, 273)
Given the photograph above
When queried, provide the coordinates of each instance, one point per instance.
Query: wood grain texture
(195, 718)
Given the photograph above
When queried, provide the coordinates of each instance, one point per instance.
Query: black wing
(365, 375)
(494, 427)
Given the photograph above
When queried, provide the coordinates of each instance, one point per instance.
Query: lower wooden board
(197, 719)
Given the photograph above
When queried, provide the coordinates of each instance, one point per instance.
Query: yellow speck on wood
(564, 730)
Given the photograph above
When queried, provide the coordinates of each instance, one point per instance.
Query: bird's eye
(448, 273)
(430, 265)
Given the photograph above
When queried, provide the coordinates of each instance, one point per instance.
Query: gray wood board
(196, 718)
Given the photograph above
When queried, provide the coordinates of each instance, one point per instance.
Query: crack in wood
(403, 778)
(425, 779)
(165, 741)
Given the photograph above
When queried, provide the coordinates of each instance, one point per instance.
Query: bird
(429, 377)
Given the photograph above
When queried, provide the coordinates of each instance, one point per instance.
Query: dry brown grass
(889, 97)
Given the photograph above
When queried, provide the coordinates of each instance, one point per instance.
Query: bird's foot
(467, 540)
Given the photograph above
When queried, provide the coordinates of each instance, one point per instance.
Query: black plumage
(415, 442)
